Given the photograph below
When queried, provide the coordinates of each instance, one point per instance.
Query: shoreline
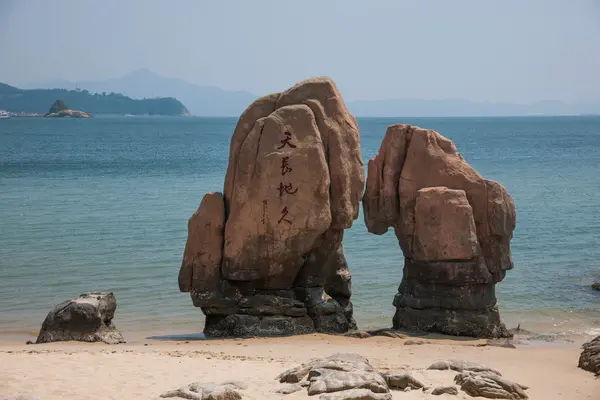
(145, 370)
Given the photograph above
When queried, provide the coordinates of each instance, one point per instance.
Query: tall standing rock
(266, 257)
(454, 228)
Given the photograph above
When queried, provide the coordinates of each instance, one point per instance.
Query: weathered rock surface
(342, 373)
(460, 366)
(401, 380)
(293, 184)
(454, 228)
(490, 385)
(440, 390)
(289, 389)
(86, 318)
(229, 390)
(356, 394)
(596, 286)
(590, 356)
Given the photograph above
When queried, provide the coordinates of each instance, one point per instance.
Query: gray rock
(460, 366)
(289, 389)
(490, 385)
(87, 318)
(590, 356)
(401, 380)
(356, 394)
(327, 381)
(228, 390)
(440, 390)
(596, 285)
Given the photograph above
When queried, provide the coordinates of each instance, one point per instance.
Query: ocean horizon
(103, 204)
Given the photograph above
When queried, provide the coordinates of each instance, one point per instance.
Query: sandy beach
(144, 370)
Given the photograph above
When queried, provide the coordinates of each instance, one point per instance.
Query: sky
(481, 50)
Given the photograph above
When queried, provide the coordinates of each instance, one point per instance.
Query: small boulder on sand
(87, 318)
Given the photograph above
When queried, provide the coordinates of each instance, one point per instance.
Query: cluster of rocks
(590, 356)
(346, 376)
(266, 257)
(454, 228)
(86, 318)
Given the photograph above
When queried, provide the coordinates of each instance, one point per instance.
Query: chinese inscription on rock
(286, 188)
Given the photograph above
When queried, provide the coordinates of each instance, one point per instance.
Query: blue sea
(103, 204)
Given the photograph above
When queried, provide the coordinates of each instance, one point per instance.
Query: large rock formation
(454, 228)
(265, 257)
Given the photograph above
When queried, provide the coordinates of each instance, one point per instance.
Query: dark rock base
(590, 356)
(473, 323)
(240, 325)
(273, 314)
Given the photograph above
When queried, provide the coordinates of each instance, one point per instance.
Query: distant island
(60, 110)
(36, 101)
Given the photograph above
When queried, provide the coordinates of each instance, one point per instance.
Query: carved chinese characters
(294, 182)
(286, 188)
(287, 154)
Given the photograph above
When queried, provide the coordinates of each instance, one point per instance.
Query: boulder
(590, 356)
(229, 390)
(293, 184)
(596, 286)
(87, 318)
(490, 385)
(454, 228)
(440, 390)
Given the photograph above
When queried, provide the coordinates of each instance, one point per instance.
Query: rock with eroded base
(265, 258)
(87, 318)
(454, 228)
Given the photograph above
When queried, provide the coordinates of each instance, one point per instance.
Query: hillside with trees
(37, 101)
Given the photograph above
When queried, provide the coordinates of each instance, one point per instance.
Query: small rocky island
(60, 110)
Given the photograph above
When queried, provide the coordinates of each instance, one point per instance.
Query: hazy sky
(496, 50)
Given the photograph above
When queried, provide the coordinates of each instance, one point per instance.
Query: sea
(102, 205)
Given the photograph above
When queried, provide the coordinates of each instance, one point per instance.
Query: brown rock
(294, 183)
(275, 220)
(444, 226)
(204, 248)
(454, 228)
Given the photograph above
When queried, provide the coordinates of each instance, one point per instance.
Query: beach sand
(148, 368)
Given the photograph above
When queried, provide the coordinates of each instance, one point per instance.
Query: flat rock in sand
(490, 385)
(356, 394)
(228, 390)
(440, 390)
(461, 365)
(402, 380)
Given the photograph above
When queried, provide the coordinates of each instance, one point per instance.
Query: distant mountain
(143, 83)
(464, 108)
(38, 101)
(213, 101)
